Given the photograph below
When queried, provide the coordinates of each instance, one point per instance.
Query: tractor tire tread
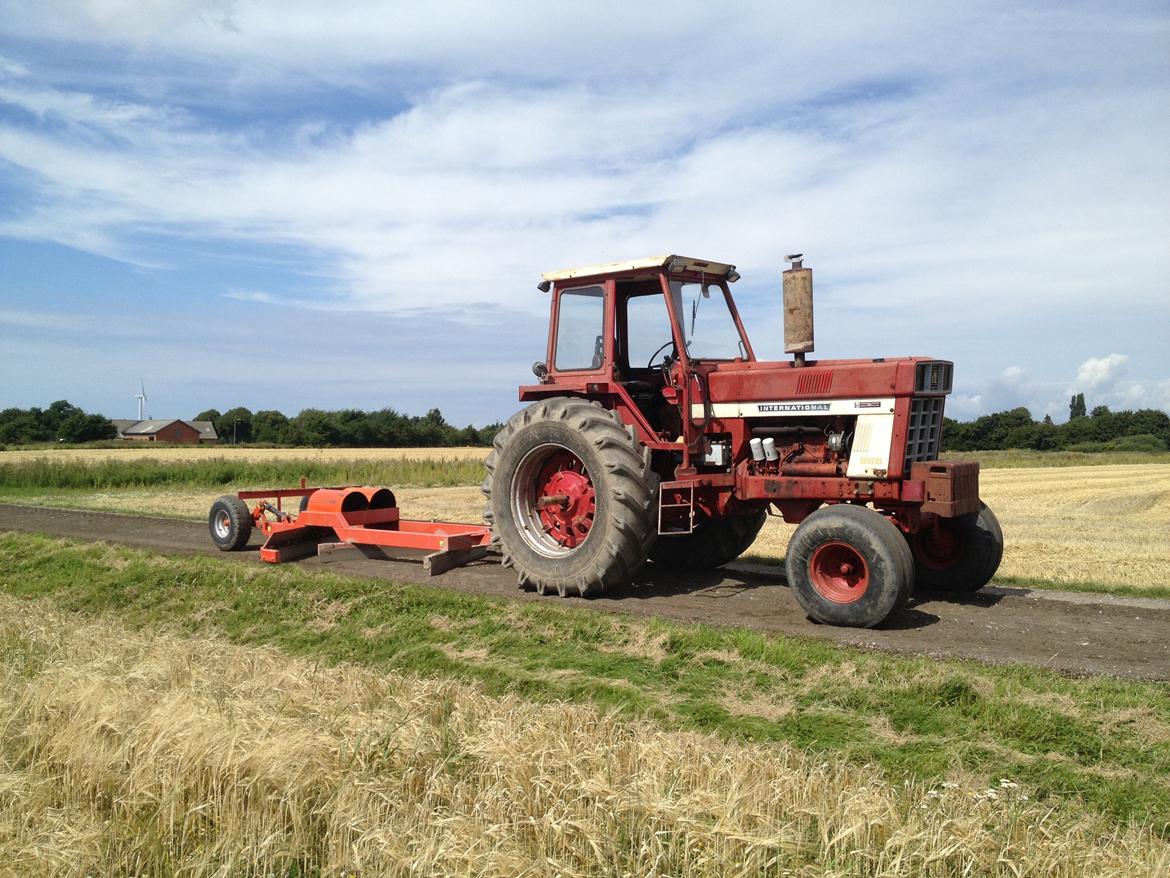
(713, 543)
(887, 555)
(625, 466)
(240, 523)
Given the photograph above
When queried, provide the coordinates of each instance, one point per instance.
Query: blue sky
(285, 205)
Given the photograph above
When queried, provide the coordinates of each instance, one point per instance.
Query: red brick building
(164, 430)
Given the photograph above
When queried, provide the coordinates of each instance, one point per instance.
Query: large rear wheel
(958, 555)
(848, 565)
(569, 492)
(713, 543)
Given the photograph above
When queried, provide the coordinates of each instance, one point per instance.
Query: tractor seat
(637, 387)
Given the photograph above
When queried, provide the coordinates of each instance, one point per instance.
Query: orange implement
(359, 516)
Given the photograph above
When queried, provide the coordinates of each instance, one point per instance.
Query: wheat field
(131, 753)
(1099, 524)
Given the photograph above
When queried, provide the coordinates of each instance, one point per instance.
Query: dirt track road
(1080, 634)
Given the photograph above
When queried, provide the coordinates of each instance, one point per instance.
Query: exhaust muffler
(798, 309)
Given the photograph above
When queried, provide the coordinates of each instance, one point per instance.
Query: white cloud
(1162, 395)
(252, 296)
(980, 171)
(15, 69)
(1100, 374)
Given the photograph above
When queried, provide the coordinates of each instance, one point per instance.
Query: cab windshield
(708, 327)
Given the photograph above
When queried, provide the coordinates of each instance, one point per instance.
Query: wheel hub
(565, 499)
(223, 525)
(939, 546)
(838, 572)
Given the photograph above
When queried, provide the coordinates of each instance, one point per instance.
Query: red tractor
(653, 432)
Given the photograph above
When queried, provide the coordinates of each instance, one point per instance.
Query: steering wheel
(650, 363)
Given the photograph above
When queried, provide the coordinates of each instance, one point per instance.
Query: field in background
(1021, 457)
(172, 453)
(1098, 527)
(1101, 527)
(187, 453)
(52, 473)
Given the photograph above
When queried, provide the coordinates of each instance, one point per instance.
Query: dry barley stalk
(126, 753)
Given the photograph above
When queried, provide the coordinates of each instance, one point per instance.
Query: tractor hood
(769, 389)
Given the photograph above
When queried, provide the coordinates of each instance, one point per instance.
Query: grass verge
(1099, 746)
(138, 753)
(49, 473)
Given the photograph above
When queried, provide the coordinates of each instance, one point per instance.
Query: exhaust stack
(798, 309)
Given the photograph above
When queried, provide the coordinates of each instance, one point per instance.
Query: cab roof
(675, 263)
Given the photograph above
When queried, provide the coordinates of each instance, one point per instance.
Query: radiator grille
(924, 431)
(934, 377)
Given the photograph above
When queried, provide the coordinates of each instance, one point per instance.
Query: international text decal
(794, 407)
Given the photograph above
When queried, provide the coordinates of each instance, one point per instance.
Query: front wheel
(848, 565)
(959, 555)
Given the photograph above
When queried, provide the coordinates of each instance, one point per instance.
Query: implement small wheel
(230, 523)
(848, 565)
(957, 555)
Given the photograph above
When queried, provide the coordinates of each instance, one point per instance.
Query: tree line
(64, 422)
(60, 422)
(351, 428)
(1098, 430)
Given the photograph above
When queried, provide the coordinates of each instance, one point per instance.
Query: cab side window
(647, 330)
(580, 329)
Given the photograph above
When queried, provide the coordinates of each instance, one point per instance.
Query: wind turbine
(141, 397)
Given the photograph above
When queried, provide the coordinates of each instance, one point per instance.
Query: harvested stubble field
(1096, 527)
(219, 758)
(1101, 527)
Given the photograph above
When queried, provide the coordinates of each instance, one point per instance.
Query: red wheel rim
(563, 478)
(938, 546)
(838, 572)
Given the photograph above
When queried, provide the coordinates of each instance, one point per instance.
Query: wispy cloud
(952, 173)
(252, 296)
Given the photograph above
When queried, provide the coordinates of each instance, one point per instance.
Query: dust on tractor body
(654, 433)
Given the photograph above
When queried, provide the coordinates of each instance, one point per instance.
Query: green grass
(44, 474)
(1099, 744)
(1015, 458)
(1118, 589)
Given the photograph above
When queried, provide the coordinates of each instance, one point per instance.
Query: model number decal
(795, 407)
(868, 404)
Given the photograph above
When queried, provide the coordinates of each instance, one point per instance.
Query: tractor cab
(640, 326)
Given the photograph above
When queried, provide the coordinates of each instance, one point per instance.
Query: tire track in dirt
(1085, 635)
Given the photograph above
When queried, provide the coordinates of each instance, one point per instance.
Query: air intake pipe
(798, 309)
